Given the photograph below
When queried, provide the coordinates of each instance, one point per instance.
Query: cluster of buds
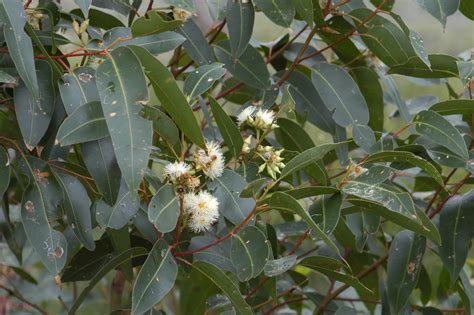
(181, 14)
(181, 174)
(81, 29)
(261, 119)
(273, 161)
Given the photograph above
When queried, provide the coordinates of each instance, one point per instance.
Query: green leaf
(227, 189)
(455, 227)
(442, 66)
(49, 244)
(196, 44)
(122, 89)
(329, 266)
(170, 96)
(118, 215)
(466, 293)
(467, 8)
(20, 46)
(4, 170)
(84, 5)
(249, 252)
(100, 19)
(34, 113)
(307, 157)
(163, 210)
(279, 266)
(440, 9)
(284, 202)
(217, 255)
(85, 124)
(78, 88)
(201, 79)
(109, 266)
(228, 129)
(155, 279)
(164, 126)
(466, 70)
(76, 204)
(329, 207)
(340, 93)
(404, 265)
(6, 78)
(154, 22)
(304, 192)
(304, 9)
(280, 12)
(99, 158)
(223, 282)
(249, 67)
(440, 131)
(407, 157)
(454, 107)
(240, 17)
(156, 43)
(419, 47)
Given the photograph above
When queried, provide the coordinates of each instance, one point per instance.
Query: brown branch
(23, 299)
(453, 193)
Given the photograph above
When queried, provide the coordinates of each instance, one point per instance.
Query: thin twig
(23, 299)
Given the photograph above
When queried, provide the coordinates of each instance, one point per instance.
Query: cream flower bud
(76, 26)
(246, 146)
(181, 14)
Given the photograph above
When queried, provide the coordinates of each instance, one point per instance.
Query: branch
(23, 299)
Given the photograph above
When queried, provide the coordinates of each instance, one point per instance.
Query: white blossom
(176, 170)
(202, 209)
(245, 115)
(210, 161)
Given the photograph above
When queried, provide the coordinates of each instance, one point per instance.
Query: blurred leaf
(84, 124)
(4, 170)
(155, 279)
(6, 78)
(467, 8)
(227, 189)
(196, 44)
(102, 272)
(76, 204)
(455, 227)
(454, 107)
(249, 252)
(304, 192)
(240, 17)
(284, 202)
(201, 79)
(279, 266)
(228, 129)
(280, 12)
(249, 67)
(153, 23)
(223, 282)
(170, 96)
(440, 9)
(440, 131)
(404, 265)
(163, 210)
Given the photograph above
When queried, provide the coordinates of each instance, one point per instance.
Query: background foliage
(162, 158)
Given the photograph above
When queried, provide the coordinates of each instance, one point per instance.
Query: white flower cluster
(273, 160)
(261, 119)
(201, 208)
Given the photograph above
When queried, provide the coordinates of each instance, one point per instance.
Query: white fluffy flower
(202, 209)
(245, 115)
(211, 160)
(264, 119)
(176, 170)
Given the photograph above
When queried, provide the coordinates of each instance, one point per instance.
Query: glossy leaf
(283, 202)
(438, 130)
(278, 266)
(249, 252)
(155, 279)
(76, 204)
(329, 208)
(170, 96)
(404, 265)
(307, 157)
(455, 227)
(156, 43)
(123, 90)
(240, 17)
(225, 284)
(20, 47)
(163, 210)
(217, 255)
(164, 126)
(228, 129)
(84, 124)
(227, 189)
(153, 23)
(442, 66)
(249, 67)
(454, 107)
(196, 44)
(281, 12)
(201, 79)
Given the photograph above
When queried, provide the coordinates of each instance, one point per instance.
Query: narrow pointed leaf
(84, 5)
(76, 204)
(170, 96)
(123, 90)
(281, 12)
(85, 124)
(201, 79)
(196, 44)
(4, 170)
(228, 129)
(439, 130)
(157, 43)
(240, 20)
(155, 279)
(163, 210)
